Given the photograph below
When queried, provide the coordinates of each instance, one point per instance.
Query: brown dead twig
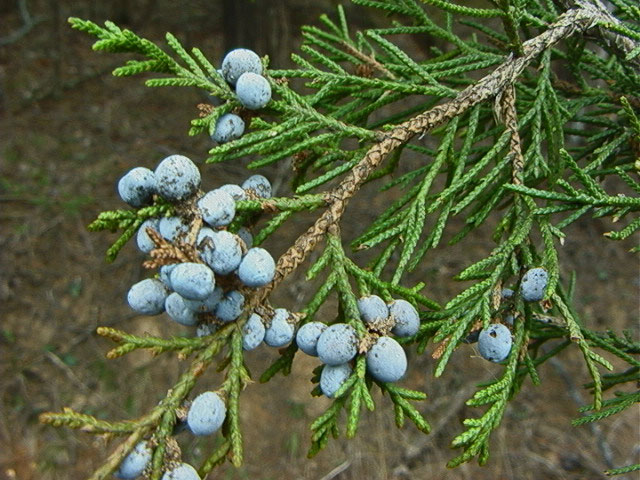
(615, 41)
(509, 115)
(574, 21)
(439, 350)
(167, 253)
(369, 61)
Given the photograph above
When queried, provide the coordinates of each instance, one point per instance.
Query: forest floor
(68, 131)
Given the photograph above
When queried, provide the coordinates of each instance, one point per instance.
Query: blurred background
(69, 130)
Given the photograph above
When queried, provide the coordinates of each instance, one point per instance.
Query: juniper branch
(306, 129)
(573, 21)
(174, 398)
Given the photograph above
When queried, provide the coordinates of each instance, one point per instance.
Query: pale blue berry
(372, 310)
(177, 178)
(308, 335)
(257, 268)
(494, 342)
(230, 307)
(165, 274)
(172, 228)
(245, 235)
(217, 208)
(209, 304)
(205, 235)
(205, 329)
(253, 90)
(407, 320)
(224, 254)
(184, 471)
(236, 191)
(228, 127)
(206, 414)
(145, 244)
(386, 360)
(337, 344)
(252, 332)
(533, 284)
(259, 184)
(178, 310)
(137, 186)
(239, 61)
(147, 296)
(194, 281)
(506, 293)
(280, 331)
(134, 464)
(332, 378)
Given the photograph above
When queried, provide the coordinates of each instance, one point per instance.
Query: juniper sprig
(534, 115)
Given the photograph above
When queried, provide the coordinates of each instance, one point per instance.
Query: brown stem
(510, 118)
(502, 78)
(368, 60)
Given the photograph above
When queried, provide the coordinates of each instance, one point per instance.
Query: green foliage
(128, 221)
(508, 140)
(623, 470)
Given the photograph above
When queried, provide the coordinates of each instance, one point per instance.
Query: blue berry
(386, 360)
(145, 244)
(407, 321)
(373, 310)
(205, 329)
(533, 284)
(172, 228)
(230, 307)
(236, 191)
(245, 235)
(217, 208)
(228, 127)
(178, 310)
(252, 332)
(205, 235)
(137, 186)
(257, 268)
(224, 254)
(147, 296)
(184, 471)
(253, 90)
(494, 342)
(194, 281)
(337, 344)
(506, 293)
(280, 331)
(332, 378)
(209, 304)
(177, 178)
(134, 464)
(165, 274)
(308, 335)
(239, 61)
(259, 184)
(206, 414)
